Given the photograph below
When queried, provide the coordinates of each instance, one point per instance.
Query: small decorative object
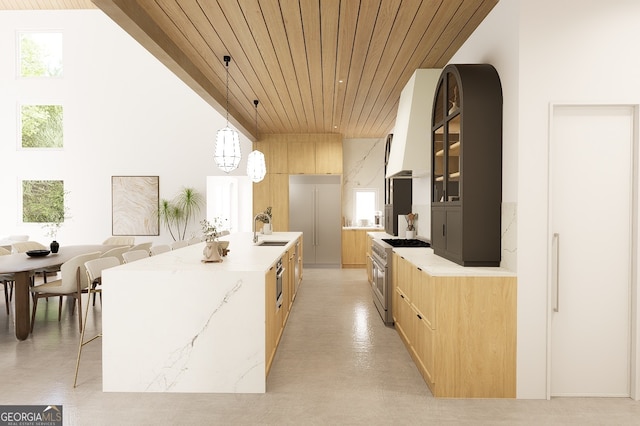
(213, 249)
(52, 232)
(37, 253)
(410, 225)
(266, 218)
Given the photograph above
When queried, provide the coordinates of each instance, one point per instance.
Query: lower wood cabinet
(354, 247)
(276, 316)
(459, 330)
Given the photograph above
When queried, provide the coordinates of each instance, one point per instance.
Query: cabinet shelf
(454, 150)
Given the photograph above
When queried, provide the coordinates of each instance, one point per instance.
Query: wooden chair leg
(33, 313)
(6, 295)
(59, 308)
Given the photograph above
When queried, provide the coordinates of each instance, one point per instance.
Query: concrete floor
(337, 364)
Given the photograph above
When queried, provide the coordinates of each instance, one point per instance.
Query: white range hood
(410, 154)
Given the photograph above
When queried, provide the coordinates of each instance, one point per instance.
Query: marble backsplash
(363, 165)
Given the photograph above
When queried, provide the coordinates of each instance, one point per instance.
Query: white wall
(548, 51)
(124, 114)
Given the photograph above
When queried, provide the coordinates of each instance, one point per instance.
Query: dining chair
(132, 256)
(116, 252)
(142, 246)
(194, 240)
(160, 248)
(7, 281)
(117, 241)
(179, 244)
(25, 246)
(94, 270)
(73, 283)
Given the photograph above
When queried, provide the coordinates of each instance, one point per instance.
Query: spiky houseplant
(176, 214)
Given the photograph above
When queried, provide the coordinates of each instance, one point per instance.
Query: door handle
(555, 271)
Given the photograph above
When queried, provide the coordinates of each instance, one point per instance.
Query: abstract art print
(134, 201)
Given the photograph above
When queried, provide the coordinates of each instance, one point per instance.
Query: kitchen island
(172, 323)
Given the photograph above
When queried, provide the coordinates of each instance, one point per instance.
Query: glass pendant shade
(227, 154)
(256, 166)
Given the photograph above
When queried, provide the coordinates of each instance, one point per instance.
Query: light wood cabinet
(354, 248)
(274, 148)
(273, 191)
(329, 155)
(271, 329)
(276, 317)
(459, 330)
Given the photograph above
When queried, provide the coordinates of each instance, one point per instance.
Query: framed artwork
(134, 201)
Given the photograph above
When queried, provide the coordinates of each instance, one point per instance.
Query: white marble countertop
(243, 256)
(370, 228)
(428, 261)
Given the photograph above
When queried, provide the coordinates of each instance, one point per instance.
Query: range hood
(410, 154)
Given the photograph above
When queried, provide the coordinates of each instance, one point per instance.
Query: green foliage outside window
(41, 126)
(41, 54)
(43, 201)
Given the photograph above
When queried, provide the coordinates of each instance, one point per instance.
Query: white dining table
(23, 266)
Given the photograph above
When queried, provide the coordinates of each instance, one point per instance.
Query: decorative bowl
(38, 253)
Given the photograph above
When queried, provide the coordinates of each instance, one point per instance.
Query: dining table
(23, 266)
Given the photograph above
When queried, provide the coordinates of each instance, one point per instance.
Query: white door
(591, 209)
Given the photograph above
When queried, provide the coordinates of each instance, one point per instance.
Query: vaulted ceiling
(316, 66)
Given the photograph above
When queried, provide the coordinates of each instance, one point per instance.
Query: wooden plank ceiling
(316, 66)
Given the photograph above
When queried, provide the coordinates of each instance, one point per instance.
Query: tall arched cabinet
(467, 165)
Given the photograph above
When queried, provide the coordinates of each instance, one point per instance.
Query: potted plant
(266, 218)
(176, 214)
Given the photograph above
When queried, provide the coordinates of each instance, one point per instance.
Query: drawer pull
(419, 316)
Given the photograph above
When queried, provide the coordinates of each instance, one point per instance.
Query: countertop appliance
(315, 209)
(382, 271)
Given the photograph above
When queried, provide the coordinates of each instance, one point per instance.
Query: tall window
(40, 54)
(365, 202)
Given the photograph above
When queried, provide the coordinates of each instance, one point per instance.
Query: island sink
(273, 243)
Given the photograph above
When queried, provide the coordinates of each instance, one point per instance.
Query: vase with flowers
(210, 233)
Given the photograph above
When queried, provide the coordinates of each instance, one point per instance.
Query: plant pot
(211, 253)
(410, 235)
(266, 229)
(54, 246)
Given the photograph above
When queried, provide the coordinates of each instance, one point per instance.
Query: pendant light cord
(227, 59)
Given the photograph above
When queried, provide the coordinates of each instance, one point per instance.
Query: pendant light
(227, 153)
(256, 166)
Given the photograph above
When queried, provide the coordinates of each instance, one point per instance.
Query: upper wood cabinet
(274, 148)
(329, 154)
(302, 155)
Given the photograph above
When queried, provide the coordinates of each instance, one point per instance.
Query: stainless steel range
(381, 272)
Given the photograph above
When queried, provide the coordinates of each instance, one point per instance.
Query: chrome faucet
(255, 219)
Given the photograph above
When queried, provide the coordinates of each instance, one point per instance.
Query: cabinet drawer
(423, 289)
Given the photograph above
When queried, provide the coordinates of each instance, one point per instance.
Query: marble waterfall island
(172, 323)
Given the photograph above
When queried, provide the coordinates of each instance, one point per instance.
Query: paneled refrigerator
(315, 209)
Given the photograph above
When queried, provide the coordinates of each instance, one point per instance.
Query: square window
(40, 54)
(43, 201)
(41, 126)
(365, 202)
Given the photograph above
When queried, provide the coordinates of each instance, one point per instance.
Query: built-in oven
(382, 271)
(279, 278)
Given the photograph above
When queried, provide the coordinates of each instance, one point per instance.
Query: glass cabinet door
(446, 142)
